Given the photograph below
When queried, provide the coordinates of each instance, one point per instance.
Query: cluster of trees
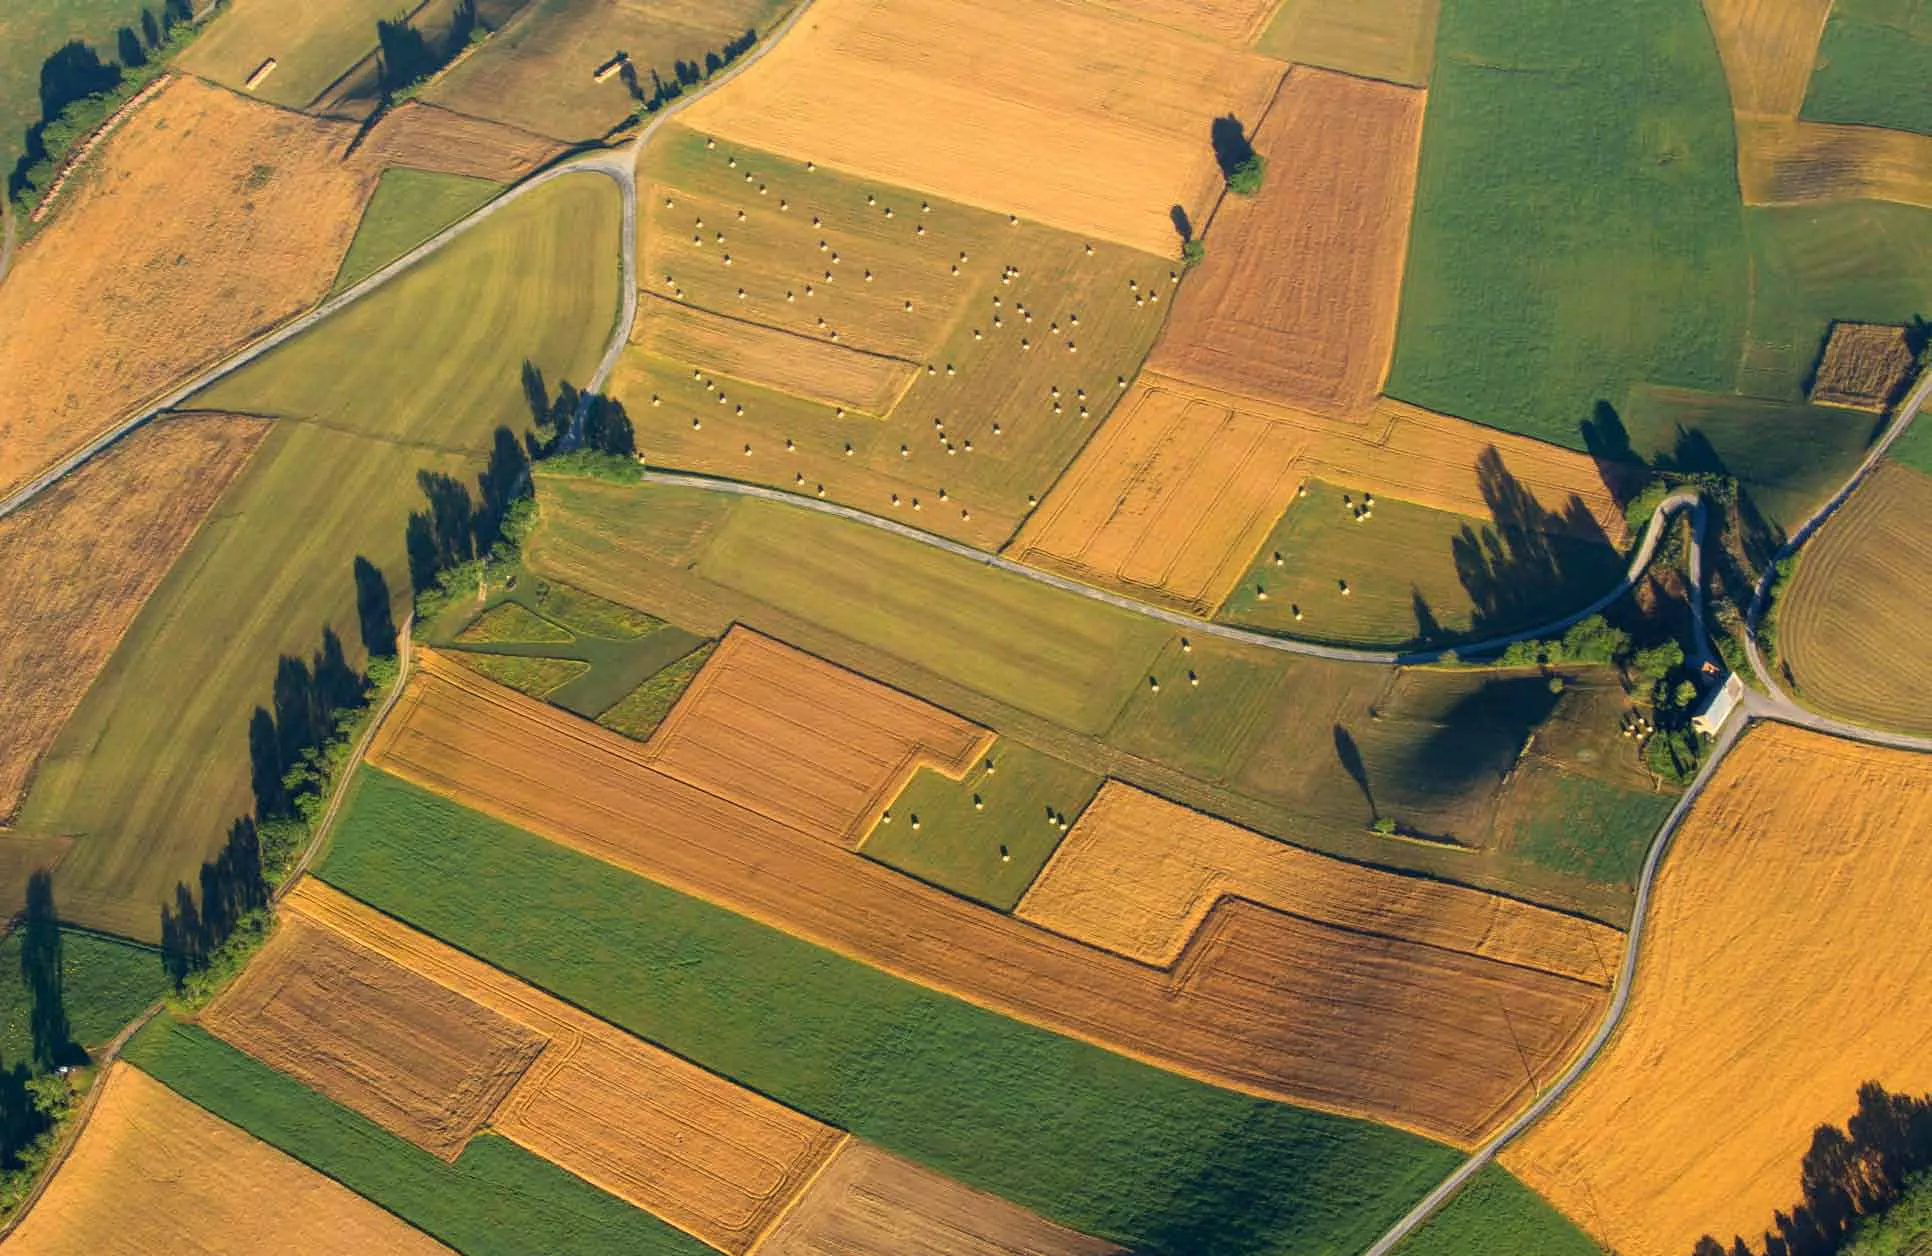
(33, 1098)
(684, 75)
(79, 91)
(1849, 1175)
(404, 56)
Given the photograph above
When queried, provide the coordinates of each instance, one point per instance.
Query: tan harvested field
(1782, 162)
(1262, 1003)
(1852, 625)
(1863, 367)
(1767, 47)
(1054, 110)
(1139, 875)
(803, 742)
(417, 1059)
(783, 361)
(1232, 22)
(1181, 485)
(428, 138)
(80, 562)
(1786, 963)
(710, 1157)
(154, 1173)
(870, 1203)
(203, 221)
(1392, 40)
(1296, 299)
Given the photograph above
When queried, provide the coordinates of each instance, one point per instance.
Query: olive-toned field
(1851, 626)
(1080, 117)
(1391, 40)
(204, 220)
(1782, 162)
(79, 562)
(312, 46)
(157, 1174)
(1784, 966)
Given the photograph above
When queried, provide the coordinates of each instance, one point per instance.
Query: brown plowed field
(80, 562)
(870, 1203)
(1462, 1041)
(1055, 110)
(429, 138)
(1781, 162)
(203, 221)
(708, 1156)
(806, 743)
(1139, 874)
(1789, 960)
(1767, 47)
(781, 360)
(1296, 299)
(1864, 365)
(1184, 481)
(154, 1173)
(417, 1059)
(1852, 626)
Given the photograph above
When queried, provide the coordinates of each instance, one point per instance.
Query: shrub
(1192, 251)
(1245, 179)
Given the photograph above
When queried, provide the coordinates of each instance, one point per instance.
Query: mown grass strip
(496, 1200)
(1090, 1139)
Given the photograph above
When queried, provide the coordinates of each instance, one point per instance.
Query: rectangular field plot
(808, 744)
(1391, 40)
(312, 45)
(1872, 66)
(1781, 162)
(810, 369)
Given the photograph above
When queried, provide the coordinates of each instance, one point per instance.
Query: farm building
(1716, 706)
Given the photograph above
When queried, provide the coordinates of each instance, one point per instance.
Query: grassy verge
(495, 1200)
(1872, 66)
(1496, 1215)
(638, 713)
(408, 207)
(1095, 1141)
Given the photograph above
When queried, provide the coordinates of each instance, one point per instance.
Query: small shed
(611, 67)
(1717, 704)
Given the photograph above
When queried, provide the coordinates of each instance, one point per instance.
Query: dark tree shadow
(40, 972)
(373, 612)
(1183, 226)
(1428, 629)
(1509, 568)
(1608, 442)
(1351, 761)
(1231, 147)
(232, 885)
(265, 765)
(535, 394)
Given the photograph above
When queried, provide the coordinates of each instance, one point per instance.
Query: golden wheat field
(1789, 960)
(1767, 47)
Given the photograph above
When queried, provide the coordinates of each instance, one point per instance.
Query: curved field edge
(1496, 1215)
(495, 1199)
(1089, 1139)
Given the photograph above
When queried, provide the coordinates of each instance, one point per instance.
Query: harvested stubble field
(154, 1173)
(1785, 965)
(1232, 22)
(815, 747)
(202, 221)
(1296, 300)
(714, 1159)
(1081, 117)
(1147, 1158)
(149, 784)
(1852, 625)
(1237, 1009)
(1767, 47)
(972, 357)
(1781, 162)
(1391, 40)
(423, 137)
(1140, 876)
(82, 559)
(537, 72)
(1864, 366)
(1872, 65)
(1179, 489)
(312, 45)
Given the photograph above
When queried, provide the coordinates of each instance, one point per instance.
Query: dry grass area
(417, 1059)
(80, 562)
(1055, 110)
(1852, 626)
(1296, 299)
(708, 1156)
(1181, 485)
(1783, 162)
(205, 220)
(785, 361)
(1263, 1002)
(805, 742)
(428, 138)
(1863, 367)
(155, 1173)
(1787, 963)
(867, 1202)
(1139, 875)
(1392, 40)
(1767, 47)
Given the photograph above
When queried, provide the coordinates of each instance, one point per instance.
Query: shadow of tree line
(32, 1096)
(1847, 1175)
(684, 74)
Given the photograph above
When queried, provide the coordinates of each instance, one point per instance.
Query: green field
(1914, 449)
(987, 836)
(408, 207)
(1495, 1215)
(495, 1200)
(105, 984)
(1091, 1139)
(1415, 575)
(1557, 139)
(30, 32)
(638, 713)
(1873, 65)
(154, 762)
(535, 675)
(1574, 823)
